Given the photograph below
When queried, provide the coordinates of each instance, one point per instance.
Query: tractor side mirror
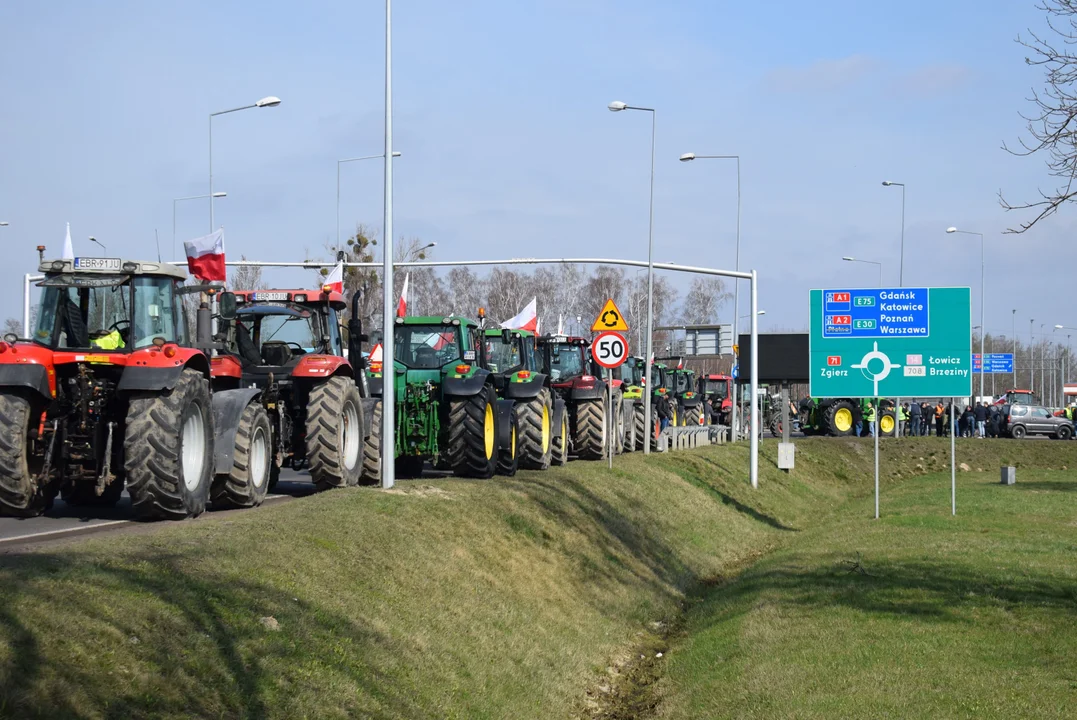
(506, 336)
(227, 302)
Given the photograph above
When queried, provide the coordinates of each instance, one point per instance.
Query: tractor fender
(375, 385)
(321, 366)
(148, 370)
(465, 386)
(504, 424)
(558, 413)
(527, 389)
(228, 407)
(690, 402)
(595, 392)
(27, 375)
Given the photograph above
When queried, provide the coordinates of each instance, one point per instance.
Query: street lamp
(901, 266)
(618, 106)
(869, 262)
(189, 197)
(347, 160)
(3, 224)
(761, 312)
(270, 101)
(689, 157)
(95, 240)
(1014, 333)
(952, 230)
(1031, 357)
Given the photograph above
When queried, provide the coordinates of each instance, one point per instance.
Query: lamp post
(1014, 335)
(189, 197)
(952, 230)
(339, 163)
(870, 262)
(264, 102)
(1043, 368)
(744, 317)
(901, 266)
(618, 106)
(1031, 357)
(103, 248)
(388, 311)
(689, 157)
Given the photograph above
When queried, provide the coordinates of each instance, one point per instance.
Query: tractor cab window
(667, 379)
(154, 311)
(426, 346)
(528, 344)
(84, 313)
(335, 342)
(275, 334)
(501, 356)
(684, 382)
(717, 388)
(568, 363)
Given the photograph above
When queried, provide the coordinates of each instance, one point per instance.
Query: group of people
(978, 420)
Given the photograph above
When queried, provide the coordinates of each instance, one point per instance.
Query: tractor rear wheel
(248, 482)
(590, 437)
(534, 419)
(629, 420)
(335, 434)
(371, 473)
(508, 459)
(471, 448)
(20, 495)
(168, 450)
(839, 418)
(639, 425)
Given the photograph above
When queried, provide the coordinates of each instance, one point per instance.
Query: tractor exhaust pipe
(204, 326)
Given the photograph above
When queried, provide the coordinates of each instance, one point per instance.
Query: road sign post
(610, 350)
(891, 342)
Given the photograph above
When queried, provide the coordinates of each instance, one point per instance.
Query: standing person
(925, 423)
(981, 420)
(915, 414)
(869, 415)
(904, 412)
(940, 418)
(858, 419)
(992, 421)
(662, 407)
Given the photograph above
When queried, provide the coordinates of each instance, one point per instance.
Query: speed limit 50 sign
(609, 349)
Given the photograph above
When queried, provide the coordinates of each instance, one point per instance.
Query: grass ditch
(456, 599)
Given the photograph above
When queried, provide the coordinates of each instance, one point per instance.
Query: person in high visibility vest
(109, 341)
(905, 429)
(869, 417)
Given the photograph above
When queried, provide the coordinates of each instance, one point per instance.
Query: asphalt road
(66, 521)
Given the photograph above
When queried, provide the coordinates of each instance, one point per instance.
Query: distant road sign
(994, 363)
(609, 318)
(609, 349)
(736, 372)
(891, 342)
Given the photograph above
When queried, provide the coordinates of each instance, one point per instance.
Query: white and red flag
(526, 320)
(205, 257)
(402, 306)
(334, 281)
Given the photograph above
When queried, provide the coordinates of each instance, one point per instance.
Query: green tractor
(631, 377)
(447, 410)
(511, 359)
(837, 416)
(691, 409)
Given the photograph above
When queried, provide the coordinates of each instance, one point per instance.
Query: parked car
(1022, 420)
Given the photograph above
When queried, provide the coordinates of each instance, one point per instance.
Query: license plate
(269, 296)
(89, 263)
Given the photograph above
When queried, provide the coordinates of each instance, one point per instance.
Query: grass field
(967, 616)
(523, 598)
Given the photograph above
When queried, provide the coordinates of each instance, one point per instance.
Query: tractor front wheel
(534, 419)
(335, 434)
(560, 456)
(20, 495)
(248, 482)
(371, 473)
(590, 437)
(472, 438)
(508, 459)
(839, 418)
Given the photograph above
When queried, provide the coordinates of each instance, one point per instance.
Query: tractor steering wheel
(116, 326)
(297, 346)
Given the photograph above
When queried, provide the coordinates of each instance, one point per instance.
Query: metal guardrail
(682, 438)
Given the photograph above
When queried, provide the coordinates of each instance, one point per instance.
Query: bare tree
(1051, 125)
(504, 294)
(13, 325)
(465, 291)
(247, 277)
(705, 298)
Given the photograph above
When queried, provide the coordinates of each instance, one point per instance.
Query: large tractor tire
(371, 472)
(618, 423)
(628, 415)
(590, 437)
(247, 484)
(839, 418)
(639, 422)
(698, 415)
(20, 495)
(534, 419)
(560, 454)
(887, 423)
(335, 434)
(168, 450)
(471, 448)
(774, 424)
(508, 458)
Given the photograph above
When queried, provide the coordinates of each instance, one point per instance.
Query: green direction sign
(891, 342)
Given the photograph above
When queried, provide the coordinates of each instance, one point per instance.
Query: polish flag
(205, 257)
(334, 281)
(526, 320)
(402, 306)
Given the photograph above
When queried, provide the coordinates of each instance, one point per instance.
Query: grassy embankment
(445, 598)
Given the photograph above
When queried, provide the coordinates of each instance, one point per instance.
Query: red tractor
(1018, 397)
(568, 362)
(108, 391)
(718, 393)
(285, 353)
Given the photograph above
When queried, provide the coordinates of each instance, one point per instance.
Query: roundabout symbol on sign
(609, 349)
(871, 374)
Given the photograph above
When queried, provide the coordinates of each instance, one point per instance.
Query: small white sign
(914, 360)
(915, 371)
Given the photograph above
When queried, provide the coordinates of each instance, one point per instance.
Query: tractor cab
(1018, 397)
(717, 391)
(632, 379)
(276, 329)
(511, 357)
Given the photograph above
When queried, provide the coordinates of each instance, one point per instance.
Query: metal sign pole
(875, 429)
(953, 461)
(609, 416)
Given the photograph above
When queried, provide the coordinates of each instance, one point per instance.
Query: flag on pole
(402, 306)
(526, 320)
(334, 281)
(205, 257)
(69, 249)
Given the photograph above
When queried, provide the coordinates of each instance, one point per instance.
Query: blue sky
(509, 149)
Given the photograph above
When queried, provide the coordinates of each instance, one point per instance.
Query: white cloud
(934, 79)
(821, 75)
